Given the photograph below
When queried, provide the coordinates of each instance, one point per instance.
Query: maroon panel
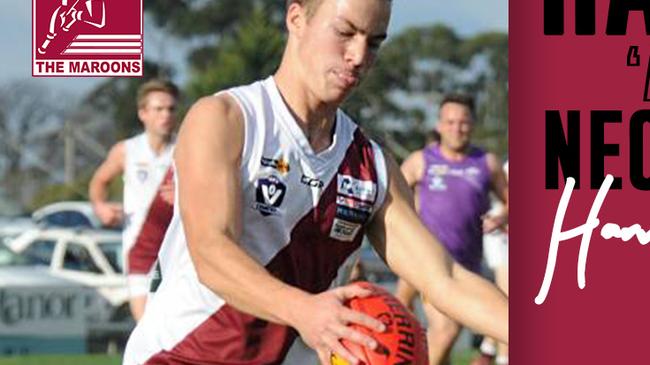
(607, 321)
(144, 252)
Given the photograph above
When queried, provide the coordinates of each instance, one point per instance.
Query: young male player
(276, 187)
(452, 180)
(143, 161)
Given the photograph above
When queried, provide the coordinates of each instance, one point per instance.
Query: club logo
(142, 175)
(87, 38)
(269, 195)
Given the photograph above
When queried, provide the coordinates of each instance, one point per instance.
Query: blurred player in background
(452, 180)
(144, 163)
(276, 188)
(495, 247)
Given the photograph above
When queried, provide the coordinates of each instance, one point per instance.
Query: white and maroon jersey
(144, 170)
(303, 214)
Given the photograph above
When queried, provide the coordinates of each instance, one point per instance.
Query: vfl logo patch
(364, 190)
(281, 164)
(85, 38)
(269, 195)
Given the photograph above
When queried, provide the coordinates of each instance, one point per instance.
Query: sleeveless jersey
(453, 197)
(143, 173)
(303, 214)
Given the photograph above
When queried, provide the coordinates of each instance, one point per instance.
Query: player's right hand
(322, 320)
(110, 214)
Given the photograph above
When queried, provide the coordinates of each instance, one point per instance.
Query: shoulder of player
(413, 166)
(117, 153)
(493, 162)
(216, 120)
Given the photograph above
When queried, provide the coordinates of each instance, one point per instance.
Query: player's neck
(455, 155)
(315, 118)
(157, 143)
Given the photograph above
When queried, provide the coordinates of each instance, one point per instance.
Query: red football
(403, 342)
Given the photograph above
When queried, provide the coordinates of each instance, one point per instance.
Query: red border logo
(87, 38)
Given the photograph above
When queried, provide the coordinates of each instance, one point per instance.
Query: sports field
(460, 358)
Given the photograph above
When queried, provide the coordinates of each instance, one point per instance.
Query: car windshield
(9, 258)
(112, 250)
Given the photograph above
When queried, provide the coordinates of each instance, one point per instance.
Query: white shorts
(495, 249)
(138, 285)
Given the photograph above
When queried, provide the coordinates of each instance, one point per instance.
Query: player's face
(159, 113)
(340, 43)
(455, 126)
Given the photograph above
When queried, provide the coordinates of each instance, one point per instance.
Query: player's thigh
(501, 278)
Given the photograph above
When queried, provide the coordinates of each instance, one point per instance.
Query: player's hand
(493, 222)
(110, 214)
(167, 192)
(322, 321)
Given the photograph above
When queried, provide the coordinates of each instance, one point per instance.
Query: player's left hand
(493, 222)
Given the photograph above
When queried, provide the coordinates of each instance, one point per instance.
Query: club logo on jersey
(280, 164)
(343, 230)
(269, 195)
(364, 190)
(437, 184)
(311, 182)
(142, 175)
(87, 38)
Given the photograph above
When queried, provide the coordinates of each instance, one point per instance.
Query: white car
(71, 214)
(91, 258)
(11, 228)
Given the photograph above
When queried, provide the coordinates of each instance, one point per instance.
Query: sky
(466, 17)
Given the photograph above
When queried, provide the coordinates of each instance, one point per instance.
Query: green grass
(459, 358)
(62, 360)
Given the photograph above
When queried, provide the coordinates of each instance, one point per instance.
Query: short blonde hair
(155, 85)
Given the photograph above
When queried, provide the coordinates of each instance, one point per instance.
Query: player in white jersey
(275, 188)
(143, 161)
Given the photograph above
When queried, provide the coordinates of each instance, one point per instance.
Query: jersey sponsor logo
(364, 190)
(269, 195)
(87, 38)
(352, 215)
(280, 164)
(343, 230)
(354, 204)
(311, 182)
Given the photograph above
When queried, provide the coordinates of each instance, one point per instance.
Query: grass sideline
(459, 358)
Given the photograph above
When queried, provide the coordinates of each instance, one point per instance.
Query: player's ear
(296, 19)
(141, 114)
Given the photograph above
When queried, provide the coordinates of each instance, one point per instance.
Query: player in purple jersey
(452, 180)
(263, 267)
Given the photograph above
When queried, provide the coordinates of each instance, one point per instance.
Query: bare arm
(208, 158)
(498, 185)
(112, 167)
(417, 256)
(413, 168)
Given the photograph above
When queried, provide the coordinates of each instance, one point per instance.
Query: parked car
(43, 313)
(91, 258)
(12, 227)
(71, 214)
